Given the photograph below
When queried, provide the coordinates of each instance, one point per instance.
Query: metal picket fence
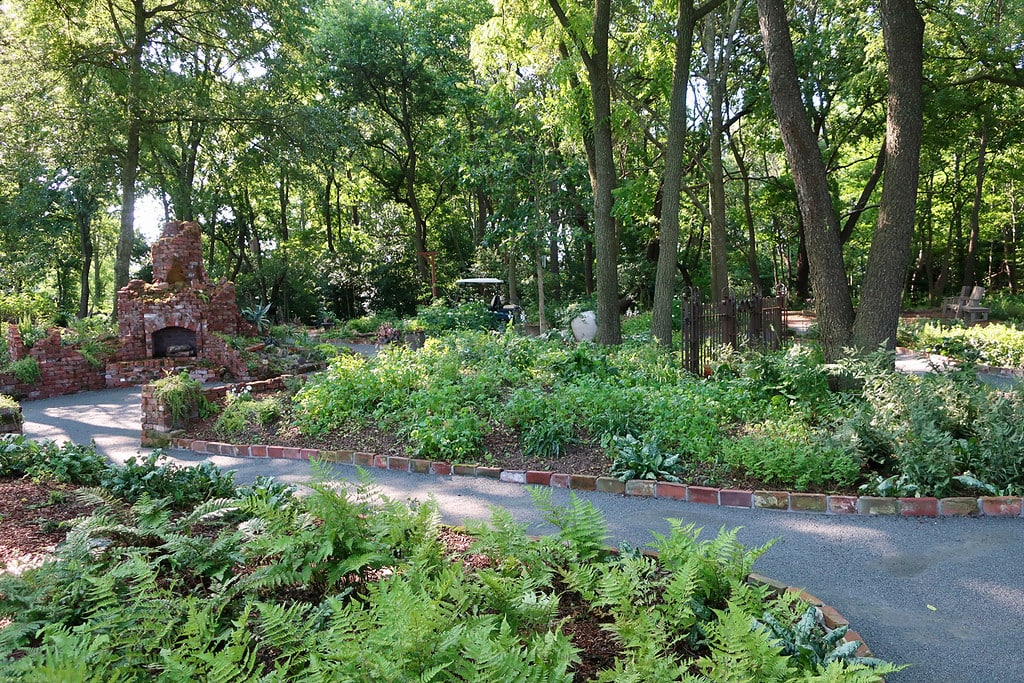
(757, 321)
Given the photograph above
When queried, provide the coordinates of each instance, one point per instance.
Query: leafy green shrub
(636, 459)
(788, 458)
(67, 462)
(683, 418)
(1005, 306)
(347, 392)
(454, 436)
(183, 395)
(243, 413)
(30, 333)
(158, 478)
(544, 422)
(30, 307)
(440, 317)
(999, 440)
(995, 344)
(26, 370)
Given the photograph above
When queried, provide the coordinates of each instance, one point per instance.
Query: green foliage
(1000, 345)
(451, 436)
(156, 477)
(26, 370)
(67, 462)
(32, 307)
(243, 413)
(183, 395)
(580, 525)
(8, 402)
(636, 459)
(344, 584)
(256, 315)
(770, 415)
(440, 317)
(787, 454)
(808, 642)
(544, 420)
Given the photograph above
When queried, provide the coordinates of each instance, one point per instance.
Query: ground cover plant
(258, 583)
(761, 419)
(997, 344)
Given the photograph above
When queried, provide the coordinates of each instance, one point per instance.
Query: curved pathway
(945, 595)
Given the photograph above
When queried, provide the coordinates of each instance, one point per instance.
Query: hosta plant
(636, 459)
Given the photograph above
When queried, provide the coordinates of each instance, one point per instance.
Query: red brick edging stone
(988, 506)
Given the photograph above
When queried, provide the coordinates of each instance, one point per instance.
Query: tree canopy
(343, 155)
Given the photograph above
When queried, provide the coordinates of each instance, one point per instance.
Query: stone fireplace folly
(176, 316)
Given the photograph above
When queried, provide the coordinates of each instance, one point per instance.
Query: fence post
(726, 308)
(691, 329)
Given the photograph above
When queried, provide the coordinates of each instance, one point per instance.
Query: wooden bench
(952, 304)
(971, 310)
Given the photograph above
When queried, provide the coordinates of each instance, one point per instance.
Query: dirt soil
(30, 521)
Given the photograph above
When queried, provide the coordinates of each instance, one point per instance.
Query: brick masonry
(62, 368)
(180, 298)
(779, 501)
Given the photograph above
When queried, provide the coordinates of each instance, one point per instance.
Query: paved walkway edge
(783, 501)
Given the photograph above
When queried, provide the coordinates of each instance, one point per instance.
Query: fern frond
(209, 511)
(580, 523)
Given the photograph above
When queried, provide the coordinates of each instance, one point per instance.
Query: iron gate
(757, 322)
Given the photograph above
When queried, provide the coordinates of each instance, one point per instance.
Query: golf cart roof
(479, 281)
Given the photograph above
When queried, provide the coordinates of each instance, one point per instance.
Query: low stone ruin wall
(158, 425)
(63, 370)
(10, 420)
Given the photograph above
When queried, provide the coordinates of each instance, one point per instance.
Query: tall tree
(878, 313)
(687, 16)
(820, 222)
(593, 50)
(397, 65)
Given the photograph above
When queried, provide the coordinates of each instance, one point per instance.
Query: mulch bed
(30, 521)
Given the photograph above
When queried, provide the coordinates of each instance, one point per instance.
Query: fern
(493, 652)
(741, 652)
(580, 524)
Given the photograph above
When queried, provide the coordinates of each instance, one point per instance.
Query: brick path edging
(987, 506)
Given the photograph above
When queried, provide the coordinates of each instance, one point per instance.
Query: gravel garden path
(945, 595)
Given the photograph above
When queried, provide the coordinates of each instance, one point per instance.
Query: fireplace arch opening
(174, 342)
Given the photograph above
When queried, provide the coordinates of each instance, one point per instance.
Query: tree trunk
(541, 317)
(717, 66)
(879, 311)
(668, 253)
(130, 165)
(973, 243)
(84, 221)
(821, 226)
(553, 244)
(606, 242)
(328, 197)
(748, 213)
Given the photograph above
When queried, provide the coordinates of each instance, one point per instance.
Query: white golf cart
(489, 290)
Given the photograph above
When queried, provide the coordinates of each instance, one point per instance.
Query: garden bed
(502, 449)
(257, 581)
